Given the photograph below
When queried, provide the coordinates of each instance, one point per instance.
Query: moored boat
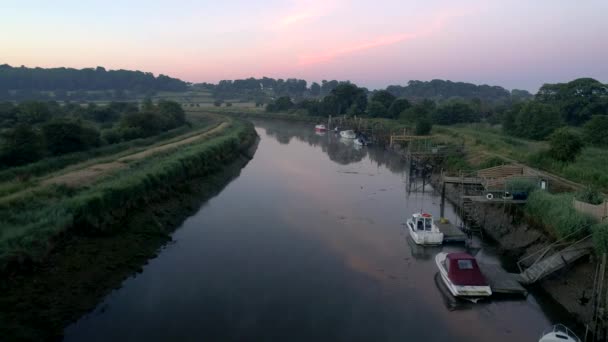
(320, 128)
(560, 333)
(423, 230)
(461, 275)
(348, 134)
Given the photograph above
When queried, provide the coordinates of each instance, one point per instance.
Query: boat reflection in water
(420, 252)
(451, 303)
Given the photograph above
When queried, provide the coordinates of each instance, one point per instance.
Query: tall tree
(384, 97)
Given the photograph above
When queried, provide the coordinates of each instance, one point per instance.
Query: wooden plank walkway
(451, 233)
(555, 262)
(502, 281)
(463, 180)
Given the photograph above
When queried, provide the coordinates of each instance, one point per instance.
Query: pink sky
(517, 44)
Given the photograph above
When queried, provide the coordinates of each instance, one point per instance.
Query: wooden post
(442, 205)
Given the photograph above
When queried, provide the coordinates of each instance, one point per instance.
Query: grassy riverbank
(34, 220)
(83, 269)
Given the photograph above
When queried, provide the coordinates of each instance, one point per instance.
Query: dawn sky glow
(515, 44)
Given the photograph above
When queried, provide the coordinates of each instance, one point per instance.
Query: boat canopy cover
(464, 271)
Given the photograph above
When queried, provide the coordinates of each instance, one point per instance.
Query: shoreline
(49, 295)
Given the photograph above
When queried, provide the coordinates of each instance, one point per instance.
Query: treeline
(68, 79)
(580, 103)
(33, 130)
(261, 90)
(444, 90)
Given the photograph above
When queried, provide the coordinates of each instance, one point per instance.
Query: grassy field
(483, 142)
(34, 216)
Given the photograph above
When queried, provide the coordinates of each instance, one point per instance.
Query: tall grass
(30, 223)
(556, 213)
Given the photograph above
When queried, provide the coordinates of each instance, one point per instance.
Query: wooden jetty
(451, 233)
(502, 281)
(485, 199)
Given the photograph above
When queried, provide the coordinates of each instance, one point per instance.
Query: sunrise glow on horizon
(515, 44)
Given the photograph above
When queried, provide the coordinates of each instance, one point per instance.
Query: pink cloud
(306, 11)
(326, 56)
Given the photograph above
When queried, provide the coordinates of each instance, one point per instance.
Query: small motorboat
(320, 128)
(348, 134)
(461, 274)
(423, 230)
(360, 142)
(559, 333)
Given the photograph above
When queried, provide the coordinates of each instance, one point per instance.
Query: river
(307, 244)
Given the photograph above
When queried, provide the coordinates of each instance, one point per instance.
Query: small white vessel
(423, 230)
(320, 128)
(461, 274)
(559, 333)
(348, 134)
(359, 142)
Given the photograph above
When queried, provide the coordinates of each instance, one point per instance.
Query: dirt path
(87, 175)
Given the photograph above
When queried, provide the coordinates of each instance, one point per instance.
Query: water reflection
(340, 150)
(307, 244)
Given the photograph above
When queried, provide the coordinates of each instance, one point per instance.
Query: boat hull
(424, 238)
(459, 290)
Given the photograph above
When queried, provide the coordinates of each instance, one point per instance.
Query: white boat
(359, 142)
(461, 275)
(349, 134)
(423, 230)
(559, 333)
(320, 128)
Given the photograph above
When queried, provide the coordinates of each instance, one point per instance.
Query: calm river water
(307, 244)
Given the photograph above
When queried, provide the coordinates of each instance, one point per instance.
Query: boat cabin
(422, 221)
(463, 270)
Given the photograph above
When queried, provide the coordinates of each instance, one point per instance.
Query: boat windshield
(428, 224)
(465, 264)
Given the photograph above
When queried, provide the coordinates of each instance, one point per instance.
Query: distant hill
(89, 79)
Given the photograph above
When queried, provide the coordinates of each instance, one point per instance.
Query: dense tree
(533, 120)
(456, 111)
(596, 130)
(328, 86)
(172, 110)
(376, 109)
(315, 89)
(350, 99)
(384, 97)
(565, 145)
(441, 90)
(65, 136)
(577, 100)
(423, 126)
(422, 109)
(21, 145)
(281, 104)
(8, 114)
(58, 79)
(397, 107)
(33, 112)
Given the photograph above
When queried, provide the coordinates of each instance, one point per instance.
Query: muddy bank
(38, 303)
(515, 236)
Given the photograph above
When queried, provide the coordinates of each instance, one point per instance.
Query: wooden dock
(484, 199)
(451, 233)
(502, 281)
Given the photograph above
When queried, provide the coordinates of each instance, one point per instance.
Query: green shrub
(590, 195)
(565, 145)
(600, 237)
(521, 184)
(491, 162)
(557, 214)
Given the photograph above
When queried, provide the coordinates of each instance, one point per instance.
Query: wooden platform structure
(501, 281)
(549, 260)
(451, 233)
(484, 199)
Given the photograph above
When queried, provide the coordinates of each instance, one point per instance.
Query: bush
(521, 184)
(596, 130)
(557, 214)
(65, 136)
(423, 126)
(600, 237)
(565, 145)
(590, 195)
